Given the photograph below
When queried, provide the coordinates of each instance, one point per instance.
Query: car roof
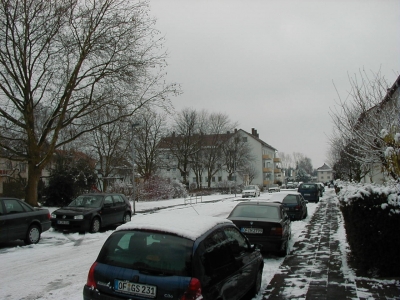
(187, 226)
(279, 196)
(259, 202)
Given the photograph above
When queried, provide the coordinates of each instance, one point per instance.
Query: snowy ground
(57, 267)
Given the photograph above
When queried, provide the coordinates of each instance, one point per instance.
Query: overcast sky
(273, 65)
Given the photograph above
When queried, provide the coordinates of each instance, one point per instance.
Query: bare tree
(360, 119)
(62, 60)
(184, 141)
(147, 138)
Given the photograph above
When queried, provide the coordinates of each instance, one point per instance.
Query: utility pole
(134, 125)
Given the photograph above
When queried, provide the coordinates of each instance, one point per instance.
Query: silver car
(251, 191)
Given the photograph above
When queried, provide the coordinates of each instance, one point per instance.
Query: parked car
(90, 212)
(20, 221)
(251, 191)
(290, 185)
(310, 191)
(265, 223)
(294, 203)
(274, 188)
(175, 257)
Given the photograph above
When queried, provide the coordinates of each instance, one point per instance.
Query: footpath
(317, 269)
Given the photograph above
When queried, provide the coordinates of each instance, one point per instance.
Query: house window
(328, 177)
(194, 179)
(322, 177)
(244, 139)
(213, 179)
(220, 178)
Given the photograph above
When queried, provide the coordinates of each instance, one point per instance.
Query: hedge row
(372, 222)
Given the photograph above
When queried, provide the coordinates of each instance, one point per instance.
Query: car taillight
(90, 279)
(193, 292)
(276, 231)
(297, 207)
(48, 216)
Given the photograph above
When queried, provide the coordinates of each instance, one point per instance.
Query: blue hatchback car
(169, 256)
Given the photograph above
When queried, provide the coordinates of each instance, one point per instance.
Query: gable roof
(255, 136)
(325, 167)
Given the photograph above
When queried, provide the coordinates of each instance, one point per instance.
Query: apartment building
(263, 169)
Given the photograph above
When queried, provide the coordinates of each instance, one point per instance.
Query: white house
(325, 173)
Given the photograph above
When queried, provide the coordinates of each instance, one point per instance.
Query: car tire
(306, 214)
(33, 235)
(127, 218)
(257, 284)
(95, 225)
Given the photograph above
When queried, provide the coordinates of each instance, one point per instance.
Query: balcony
(266, 156)
(277, 159)
(267, 170)
(277, 170)
(267, 182)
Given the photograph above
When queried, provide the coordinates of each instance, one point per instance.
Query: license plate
(63, 222)
(252, 230)
(307, 194)
(144, 290)
(286, 208)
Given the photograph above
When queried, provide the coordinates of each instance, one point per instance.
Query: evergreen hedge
(372, 223)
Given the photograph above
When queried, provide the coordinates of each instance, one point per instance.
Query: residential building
(325, 173)
(263, 169)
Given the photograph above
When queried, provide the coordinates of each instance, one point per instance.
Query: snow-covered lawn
(57, 267)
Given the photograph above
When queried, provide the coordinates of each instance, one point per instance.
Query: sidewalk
(313, 270)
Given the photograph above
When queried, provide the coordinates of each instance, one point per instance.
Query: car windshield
(87, 201)
(256, 211)
(290, 199)
(148, 252)
(250, 187)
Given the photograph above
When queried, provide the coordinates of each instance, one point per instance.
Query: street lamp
(133, 166)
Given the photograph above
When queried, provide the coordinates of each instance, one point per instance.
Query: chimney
(235, 130)
(252, 131)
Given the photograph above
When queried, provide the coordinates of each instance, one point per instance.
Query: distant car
(265, 223)
(20, 221)
(290, 185)
(90, 212)
(310, 191)
(294, 203)
(274, 188)
(251, 191)
(175, 257)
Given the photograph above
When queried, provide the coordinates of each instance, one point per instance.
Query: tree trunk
(34, 173)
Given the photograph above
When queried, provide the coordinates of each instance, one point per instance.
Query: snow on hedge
(351, 191)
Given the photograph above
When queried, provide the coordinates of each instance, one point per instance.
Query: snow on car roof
(281, 195)
(187, 226)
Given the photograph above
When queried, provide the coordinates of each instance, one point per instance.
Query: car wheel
(257, 284)
(127, 218)
(33, 235)
(306, 214)
(95, 226)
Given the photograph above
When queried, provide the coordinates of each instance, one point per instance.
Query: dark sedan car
(310, 191)
(90, 212)
(264, 223)
(294, 203)
(175, 256)
(20, 221)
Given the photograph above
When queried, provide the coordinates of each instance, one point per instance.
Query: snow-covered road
(57, 267)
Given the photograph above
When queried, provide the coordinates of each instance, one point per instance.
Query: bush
(158, 188)
(372, 222)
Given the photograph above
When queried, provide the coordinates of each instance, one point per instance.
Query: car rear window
(308, 187)
(256, 211)
(153, 252)
(290, 199)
